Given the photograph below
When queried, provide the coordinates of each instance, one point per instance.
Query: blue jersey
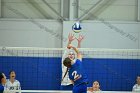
(1, 88)
(77, 74)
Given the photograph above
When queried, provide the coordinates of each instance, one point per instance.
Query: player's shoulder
(78, 61)
(7, 80)
(17, 81)
(135, 85)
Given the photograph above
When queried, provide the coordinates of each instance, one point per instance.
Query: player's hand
(71, 37)
(80, 38)
(69, 46)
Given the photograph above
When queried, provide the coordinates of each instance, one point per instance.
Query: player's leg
(83, 88)
(75, 89)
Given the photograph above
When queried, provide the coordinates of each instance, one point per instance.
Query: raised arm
(70, 38)
(79, 39)
(79, 56)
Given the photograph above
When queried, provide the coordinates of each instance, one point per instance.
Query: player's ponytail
(65, 74)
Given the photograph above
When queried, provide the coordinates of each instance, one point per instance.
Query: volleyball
(76, 27)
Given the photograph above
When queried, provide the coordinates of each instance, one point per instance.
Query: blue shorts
(82, 88)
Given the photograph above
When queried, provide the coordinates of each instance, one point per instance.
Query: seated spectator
(95, 87)
(136, 87)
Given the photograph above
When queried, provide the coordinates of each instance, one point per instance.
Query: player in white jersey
(136, 87)
(12, 83)
(66, 83)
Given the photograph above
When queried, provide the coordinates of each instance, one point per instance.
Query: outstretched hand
(71, 37)
(80, 38)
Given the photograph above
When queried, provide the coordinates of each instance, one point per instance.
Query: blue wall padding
(44, 73)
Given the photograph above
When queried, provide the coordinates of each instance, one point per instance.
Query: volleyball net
(41, 68)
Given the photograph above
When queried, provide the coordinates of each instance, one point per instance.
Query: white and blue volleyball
(76, 27)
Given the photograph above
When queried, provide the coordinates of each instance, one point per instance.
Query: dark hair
(96, 81)
(11, 71)
(1, 76)
(67, 62)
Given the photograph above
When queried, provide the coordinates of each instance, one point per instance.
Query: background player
(12, 83)
(2, 82)
(136, 87)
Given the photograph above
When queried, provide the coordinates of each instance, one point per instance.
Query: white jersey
(66, 80)
(12, 86)
(136, 88)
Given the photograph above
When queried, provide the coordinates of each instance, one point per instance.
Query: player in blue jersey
(76, 72)
(66, 83)
(2, 82)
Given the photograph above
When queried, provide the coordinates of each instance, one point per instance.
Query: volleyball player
(12, 83)
(2, 82)
(76, 72)
(66, 84)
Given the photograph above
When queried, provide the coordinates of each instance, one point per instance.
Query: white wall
(31, 8)
(125, 10)
(111, 10)
(25, 33)
(100, 35)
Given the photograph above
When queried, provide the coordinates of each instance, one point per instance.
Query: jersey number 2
(74, 73)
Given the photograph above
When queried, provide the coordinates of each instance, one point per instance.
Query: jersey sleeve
(134, 87)
(78, 62)
(18, 84)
